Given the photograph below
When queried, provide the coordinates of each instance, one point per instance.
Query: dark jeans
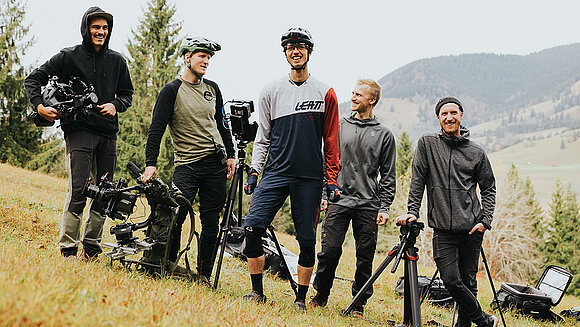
(334, 228)
(457, 258)
(208, 176)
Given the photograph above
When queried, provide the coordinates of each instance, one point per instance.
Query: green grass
(39, 288)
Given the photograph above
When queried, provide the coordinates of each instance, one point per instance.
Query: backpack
(438, 294)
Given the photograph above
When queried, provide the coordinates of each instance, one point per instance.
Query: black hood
(85, 28)
(464, 136)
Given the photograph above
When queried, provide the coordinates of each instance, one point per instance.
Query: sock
(302, 290)
(257, 283)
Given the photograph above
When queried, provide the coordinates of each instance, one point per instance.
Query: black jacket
(452, 168)
(367, 150)
(106, 70)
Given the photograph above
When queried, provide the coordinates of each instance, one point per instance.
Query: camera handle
(407, 251)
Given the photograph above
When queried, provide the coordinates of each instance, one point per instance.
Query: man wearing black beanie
(452, 166)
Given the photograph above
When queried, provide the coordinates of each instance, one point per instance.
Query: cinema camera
(239, 117)
(68, 100)
(119, 199)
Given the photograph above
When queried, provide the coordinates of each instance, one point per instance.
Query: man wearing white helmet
(204, 152)
(298, 114)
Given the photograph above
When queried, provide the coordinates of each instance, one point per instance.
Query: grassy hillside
(38, 287)
(544, 160)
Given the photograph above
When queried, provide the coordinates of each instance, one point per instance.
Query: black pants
(92, 155)
(334, 228)
(457, 258)
(208, 176)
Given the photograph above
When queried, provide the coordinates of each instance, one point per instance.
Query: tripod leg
(428, 288)
(492, 286)
(412, 312)
(226, 222)
(371, 280)
(454, 311)
(293, 284)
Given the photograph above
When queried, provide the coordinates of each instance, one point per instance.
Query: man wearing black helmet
(91, 148)
(452, 167)
(297, 115)
(204, 152)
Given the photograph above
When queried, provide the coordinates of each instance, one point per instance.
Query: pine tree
(153, 51)
(535, 212)
(574, 266)
(563, 246)
(404, 154)
(19, 139)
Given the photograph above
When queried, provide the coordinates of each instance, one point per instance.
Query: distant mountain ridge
(507, 98)
(495, 80)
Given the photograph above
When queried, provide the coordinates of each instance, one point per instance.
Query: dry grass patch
(40, 288)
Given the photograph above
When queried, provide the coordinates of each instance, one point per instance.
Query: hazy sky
(352, 38)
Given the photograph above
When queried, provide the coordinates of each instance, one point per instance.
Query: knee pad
(254, 248)
(306, 257)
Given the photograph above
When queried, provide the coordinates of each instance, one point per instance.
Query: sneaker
(318, 301)
(358, 311)
(203, 281)
(70, 258)
(299, 305)
(255, 297)
(493, 321)
(89, 258)
(69, 252)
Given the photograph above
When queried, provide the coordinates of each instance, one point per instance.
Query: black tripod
(404, 250)
(237, 186)
(225, 227)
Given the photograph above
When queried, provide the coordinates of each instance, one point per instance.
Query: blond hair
(375, 88)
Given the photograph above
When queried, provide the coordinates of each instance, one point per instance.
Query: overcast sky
(352, 38)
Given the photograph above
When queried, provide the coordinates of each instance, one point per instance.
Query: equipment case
(537, 301)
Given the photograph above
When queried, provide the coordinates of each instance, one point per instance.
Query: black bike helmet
(297, 35)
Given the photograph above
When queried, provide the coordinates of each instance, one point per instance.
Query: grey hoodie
(451, 168)
(367, 148)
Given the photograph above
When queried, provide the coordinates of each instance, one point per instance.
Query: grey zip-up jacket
(367, 148)
(452, 167)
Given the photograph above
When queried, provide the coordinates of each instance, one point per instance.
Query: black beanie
(446, 100)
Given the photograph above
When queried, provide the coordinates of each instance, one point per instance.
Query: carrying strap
(192, 233)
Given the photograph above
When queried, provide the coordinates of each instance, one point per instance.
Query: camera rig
(119, 199)
(68, 99)
(240, 111)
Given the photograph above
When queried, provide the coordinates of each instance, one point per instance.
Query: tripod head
(410, 231)
(408, 237)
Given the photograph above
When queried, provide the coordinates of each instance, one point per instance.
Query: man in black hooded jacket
(91, 138)
(451, 167)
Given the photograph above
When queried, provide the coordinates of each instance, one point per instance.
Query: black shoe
(318, 301)
(358, 311)
(255, 297)
(492, 321)
(203, 281)
(86, 257)
(299, 305)
(69, 252)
